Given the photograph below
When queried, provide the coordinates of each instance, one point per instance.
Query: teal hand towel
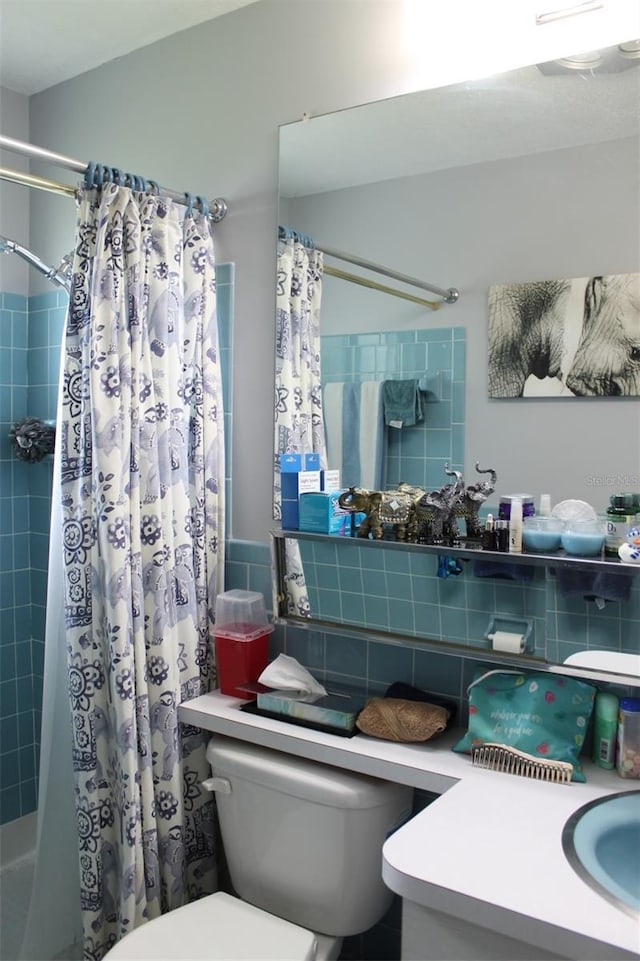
(401, 403)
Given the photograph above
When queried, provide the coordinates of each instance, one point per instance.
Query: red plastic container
(241, 641)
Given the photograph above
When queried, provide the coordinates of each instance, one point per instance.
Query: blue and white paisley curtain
(142, 488)
(299, 424)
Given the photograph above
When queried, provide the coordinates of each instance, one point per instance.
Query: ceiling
(87, 34)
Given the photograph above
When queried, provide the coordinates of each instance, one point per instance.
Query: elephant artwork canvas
(565, 338)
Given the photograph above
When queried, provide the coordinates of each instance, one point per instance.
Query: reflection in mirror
(416, 453)
(527, 176)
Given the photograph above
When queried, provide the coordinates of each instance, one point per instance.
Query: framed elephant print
(565, 338)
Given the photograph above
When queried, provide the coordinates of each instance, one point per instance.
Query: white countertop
(487, 850)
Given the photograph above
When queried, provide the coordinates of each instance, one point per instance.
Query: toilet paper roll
(507, 641)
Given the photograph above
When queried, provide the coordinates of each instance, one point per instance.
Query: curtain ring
(98, 179)
(89, 174)
(189, 199)
(115, 175)
(204, 205)
(154, 187)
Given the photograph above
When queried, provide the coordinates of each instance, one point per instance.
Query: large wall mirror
(526, 176)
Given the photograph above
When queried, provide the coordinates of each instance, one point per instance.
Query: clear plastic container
(583, 538)
(241, 641)
(628, 760)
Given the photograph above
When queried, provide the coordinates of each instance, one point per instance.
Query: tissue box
(338, 709)
(321, 513)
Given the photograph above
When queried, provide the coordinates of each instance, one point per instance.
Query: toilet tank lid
(299, 777)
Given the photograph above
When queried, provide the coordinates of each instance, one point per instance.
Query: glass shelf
(285, 613)
(468, 552)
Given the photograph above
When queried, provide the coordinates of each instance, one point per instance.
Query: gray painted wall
(544, 216)
(14, 201)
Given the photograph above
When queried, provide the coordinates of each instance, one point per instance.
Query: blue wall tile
(457, 610)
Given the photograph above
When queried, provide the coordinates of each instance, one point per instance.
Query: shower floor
(15, 893)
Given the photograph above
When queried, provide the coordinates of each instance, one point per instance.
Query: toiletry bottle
(504, 506)
(544, 509)
(628, 759)
(502, 536)
(489, 542)
(622, 514)
(605, 730)
(515, 527)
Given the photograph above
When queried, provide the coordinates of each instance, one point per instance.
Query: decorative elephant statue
(470, 500)
(435, 511)
(396, 508)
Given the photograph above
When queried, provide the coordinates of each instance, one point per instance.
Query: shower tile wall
(29, 358)
(30, 338)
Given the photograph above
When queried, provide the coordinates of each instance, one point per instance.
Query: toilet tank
(304, 840)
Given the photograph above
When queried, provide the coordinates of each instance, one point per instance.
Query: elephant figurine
(435, 511)
(396, 508)
(470, 500)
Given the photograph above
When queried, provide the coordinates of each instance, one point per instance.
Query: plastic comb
(501, 757)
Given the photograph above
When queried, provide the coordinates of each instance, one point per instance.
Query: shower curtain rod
(217, 208)
(373, 285)
(449, 295)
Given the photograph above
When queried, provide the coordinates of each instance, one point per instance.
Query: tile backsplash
(410, 596)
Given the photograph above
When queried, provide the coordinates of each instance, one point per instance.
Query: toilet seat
(218, 927)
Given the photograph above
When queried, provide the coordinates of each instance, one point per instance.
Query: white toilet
(303, 843)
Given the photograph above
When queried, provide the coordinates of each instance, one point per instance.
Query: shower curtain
(142, 486)
(299, 423)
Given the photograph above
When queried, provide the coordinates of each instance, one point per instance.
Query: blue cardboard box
(293, 463)
(293, 485)
(321, 513)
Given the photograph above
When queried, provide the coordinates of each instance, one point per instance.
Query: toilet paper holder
(517, 633)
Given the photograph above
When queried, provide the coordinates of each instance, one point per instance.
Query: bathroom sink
(601, 841)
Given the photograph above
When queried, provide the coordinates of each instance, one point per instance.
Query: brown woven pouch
(396, 719)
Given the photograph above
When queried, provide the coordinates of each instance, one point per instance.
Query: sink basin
(601, 841)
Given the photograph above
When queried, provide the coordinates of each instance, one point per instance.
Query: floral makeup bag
(544, 714)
